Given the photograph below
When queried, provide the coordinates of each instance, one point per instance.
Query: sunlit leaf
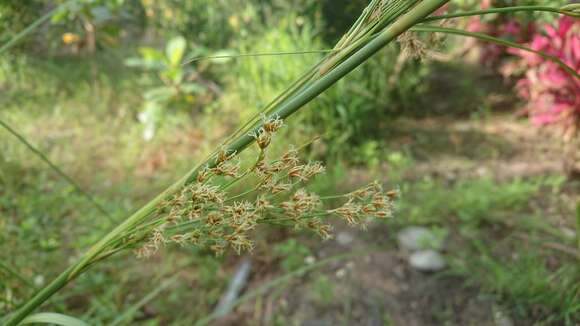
(175, 50)
(53, 318)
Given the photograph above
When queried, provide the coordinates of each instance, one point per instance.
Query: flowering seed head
(296, 172)
(240, 243)
(280, 187)
(218, 249)
(368, 209)
(323, 230)
(263, 138)
(214, 219)
(227, 169)
(393, 194)
(412, 46)
(290, 158)
(384, 213)
(180, 239)
(350, 212)
(312, 169)
(203, 175)
(225, 155)
(272, 125)
(262, 204)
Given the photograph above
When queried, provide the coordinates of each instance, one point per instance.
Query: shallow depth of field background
(100, 90)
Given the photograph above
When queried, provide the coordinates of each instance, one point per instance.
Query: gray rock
(501, 318)
(427, 261)
(344, 238)
(415, 238)
(568, 233)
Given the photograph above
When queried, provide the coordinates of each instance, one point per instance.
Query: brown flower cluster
(411, 46)
(206, 214)
(368, 202)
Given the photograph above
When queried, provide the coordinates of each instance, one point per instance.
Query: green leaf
(135, 62)
(192, 88)
(53, 318)
(128, 314)
(150, 53)
(222, 56)
(159, 94)
(175, 50)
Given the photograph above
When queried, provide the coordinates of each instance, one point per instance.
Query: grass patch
(525, 282)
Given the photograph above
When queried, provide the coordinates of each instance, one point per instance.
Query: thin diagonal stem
(56, 169)
(22, 34)
(503, 10)
(259, 54)
(496, 40)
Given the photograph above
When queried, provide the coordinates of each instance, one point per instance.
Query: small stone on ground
(415, 238)
(427, 261)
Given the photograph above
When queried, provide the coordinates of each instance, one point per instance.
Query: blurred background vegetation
(101, 90)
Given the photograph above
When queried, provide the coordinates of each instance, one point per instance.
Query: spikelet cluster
(412, 46)
(205, 214)
(367, 202)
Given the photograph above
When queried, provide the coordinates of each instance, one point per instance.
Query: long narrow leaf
(18, 37)
(499, 41)
(259, 54)
(17, 275)
(53, 318)
(56, 169)
(128, 314)
(503, 10)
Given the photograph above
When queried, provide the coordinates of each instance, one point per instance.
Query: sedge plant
(380, 23)
(202, 207)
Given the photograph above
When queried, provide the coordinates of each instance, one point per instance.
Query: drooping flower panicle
(205, 214)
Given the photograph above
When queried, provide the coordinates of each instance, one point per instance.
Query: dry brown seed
(280, 187)
(393, 194)
(203, 175)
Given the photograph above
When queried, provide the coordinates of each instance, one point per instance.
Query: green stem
(406, 21)
(499, 41)
(578, 224)
(33, 26)
(16, 275)
(56, 169)
(499, 11)
(259, 54)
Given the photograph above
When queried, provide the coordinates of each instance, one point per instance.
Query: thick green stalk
(405, 21)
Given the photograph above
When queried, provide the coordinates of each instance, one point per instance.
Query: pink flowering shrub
(553, 94)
